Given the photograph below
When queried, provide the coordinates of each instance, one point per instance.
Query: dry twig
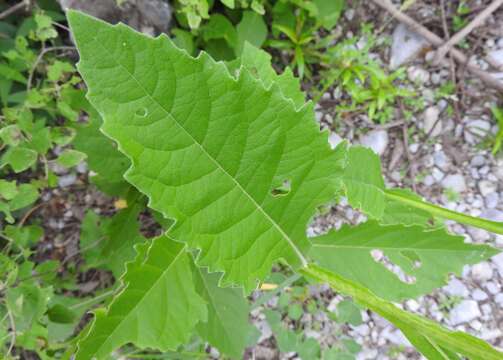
(14, 8)
(460, 35)
(435, 40)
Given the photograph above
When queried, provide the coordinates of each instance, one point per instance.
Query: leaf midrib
(290, 242)
(315, 245)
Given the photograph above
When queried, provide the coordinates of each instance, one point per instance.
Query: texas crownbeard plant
(232, 155)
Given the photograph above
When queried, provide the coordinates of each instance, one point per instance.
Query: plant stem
(426, 335)
(492, 226)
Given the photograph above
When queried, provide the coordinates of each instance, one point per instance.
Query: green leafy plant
(364, 84)
(210, 144)
(498, 138)
(296, 26)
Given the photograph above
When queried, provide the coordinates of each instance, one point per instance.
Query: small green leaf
(295, 311)
(8, 189)
(61, 314)
(252, 29)
(69, 158)
(19, 158)
(348, 312)
(11, 135)
(329, 12)
(27, 195)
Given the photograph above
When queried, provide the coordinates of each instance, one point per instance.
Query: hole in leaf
(142, 112)
(379, 257)
(283, 189)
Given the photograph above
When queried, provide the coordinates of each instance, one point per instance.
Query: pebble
(334, 140)
(418, 75)
(465, 311)
(496, 57)
(455, 182)
(428, 180)
(487, 187)
(440, 160)
(492, 200)
(492, 288)
(476, 130)
(478, 161)
(437, 174)
(413, 148)
(67, 180)
(482, 271)
(492, 214)
(413, 305)
(436, 78)
(456, 288)
(430, 123)
(479, 295)
(406, 45)
(498, 261)
(377, 140)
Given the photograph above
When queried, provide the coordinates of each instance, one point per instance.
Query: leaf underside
(208, 149)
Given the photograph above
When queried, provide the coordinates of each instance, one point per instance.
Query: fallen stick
(14, 8)
(437, 41)
(461, 34)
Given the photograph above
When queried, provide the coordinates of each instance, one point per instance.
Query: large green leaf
(431, 339)
(258, 63)
(227, 327)
(158, 308)
(209, 149)
(426, 256)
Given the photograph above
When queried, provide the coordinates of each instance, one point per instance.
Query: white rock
(496, 57)
(492, 288)
(487, 187)
(479, 295)
(430, 118)
(67, 180)
(456, 288)
(478, 161)
(498, 261)
(413, 305)
(396, 337)
(440, 160)
(406, 45)
(465, 311)
(492, 214)
(476, 325)
(413, 148)
(492, 200)
(476, 130)
(455, 182)
(437, 174)
(418, 75)
(428, 180)
(362, 330)
(482, 271)
(334, 140)
(377, 140)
